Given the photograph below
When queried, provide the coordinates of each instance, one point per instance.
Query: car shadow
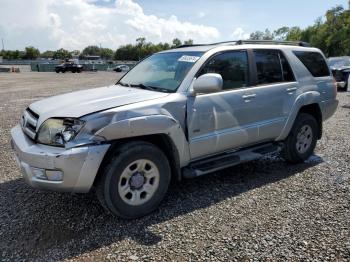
(39, 225)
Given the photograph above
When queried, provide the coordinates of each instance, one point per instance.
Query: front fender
(307, 98)
(149, 125)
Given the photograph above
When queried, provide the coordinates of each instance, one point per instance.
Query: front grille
(29, 122)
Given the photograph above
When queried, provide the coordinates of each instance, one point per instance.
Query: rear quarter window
(314, 62)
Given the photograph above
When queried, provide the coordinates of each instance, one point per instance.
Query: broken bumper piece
(46, 167)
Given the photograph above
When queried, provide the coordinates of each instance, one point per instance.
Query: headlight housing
(58, 132)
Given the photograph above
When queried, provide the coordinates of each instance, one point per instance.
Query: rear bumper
(328, 108)
(73, 170)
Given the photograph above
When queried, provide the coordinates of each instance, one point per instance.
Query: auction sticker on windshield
(189, 59)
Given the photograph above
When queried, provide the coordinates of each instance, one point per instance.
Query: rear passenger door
(275, 90)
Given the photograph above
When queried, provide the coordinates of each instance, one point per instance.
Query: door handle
(292, 89)
(249, 96)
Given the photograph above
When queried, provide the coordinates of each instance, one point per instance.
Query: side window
(232, 66)
(314, 62)
(268, 65)
(288, 75)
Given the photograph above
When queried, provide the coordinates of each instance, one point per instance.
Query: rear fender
(304, 99)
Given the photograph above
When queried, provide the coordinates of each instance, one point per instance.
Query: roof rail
(183, 46)
(256, 42)
(273, 42)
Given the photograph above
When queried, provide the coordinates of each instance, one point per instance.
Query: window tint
(268, 66)
(232, 66)
(288, 75)
(314, 62)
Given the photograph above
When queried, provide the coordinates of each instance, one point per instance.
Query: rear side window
(288, 75)
(272, 67)
(232, 66)
(314, 62)
(268, 66)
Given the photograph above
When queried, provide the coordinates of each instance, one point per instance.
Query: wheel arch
(162, 141)
(309, 103)
(314, 110)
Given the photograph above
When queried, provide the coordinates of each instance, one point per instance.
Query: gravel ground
(263, 210)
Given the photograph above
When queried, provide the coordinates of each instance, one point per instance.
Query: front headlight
(57, 132)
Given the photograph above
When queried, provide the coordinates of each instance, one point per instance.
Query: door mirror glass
(207, 83)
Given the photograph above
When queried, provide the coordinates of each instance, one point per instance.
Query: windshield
(339, 61)
(161, 72)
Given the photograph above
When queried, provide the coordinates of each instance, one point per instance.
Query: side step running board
(228, 159)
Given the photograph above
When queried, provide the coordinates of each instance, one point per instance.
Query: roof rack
(255, 42)
(273, 42)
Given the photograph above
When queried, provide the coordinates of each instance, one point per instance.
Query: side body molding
(307, 98)
(150, 125)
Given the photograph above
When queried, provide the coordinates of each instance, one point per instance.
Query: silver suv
(180, 113)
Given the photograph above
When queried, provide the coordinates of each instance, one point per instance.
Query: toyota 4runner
(180, 113)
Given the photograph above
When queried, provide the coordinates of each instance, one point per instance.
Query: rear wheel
(135, 181)
(302, 139)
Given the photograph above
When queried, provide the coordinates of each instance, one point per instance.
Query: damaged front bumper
(54, 168)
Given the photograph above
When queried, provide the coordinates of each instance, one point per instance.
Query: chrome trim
(29, 124)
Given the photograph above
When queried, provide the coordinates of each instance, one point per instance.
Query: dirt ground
(263, 210)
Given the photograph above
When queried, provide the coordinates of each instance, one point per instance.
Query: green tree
(62, 54)
(176, 43)
(188, 42)
(106, 53)
(91, 50)
(259, 35)
(141, 41)
(281, 33)
(75, 53)
(140, 50)
(31, 52)
(48, 54)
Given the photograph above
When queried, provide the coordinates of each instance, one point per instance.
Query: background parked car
(340, 67)
(72, 67)
(121, 68)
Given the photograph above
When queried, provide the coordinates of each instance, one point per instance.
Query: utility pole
(2, 41)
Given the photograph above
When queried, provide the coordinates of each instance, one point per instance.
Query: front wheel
(135, 181)
(301, 142)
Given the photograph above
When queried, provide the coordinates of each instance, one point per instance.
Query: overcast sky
(74, 24)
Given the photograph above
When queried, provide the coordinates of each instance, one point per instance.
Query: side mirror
(207, 83)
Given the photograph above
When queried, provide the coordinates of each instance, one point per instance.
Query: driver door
(223, 120)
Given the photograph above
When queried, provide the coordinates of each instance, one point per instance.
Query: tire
(57, 71)
(79, 71)
(130, 187)
(301, 142)
(63, 70)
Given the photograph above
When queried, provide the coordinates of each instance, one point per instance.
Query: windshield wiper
(123, 84)
(152, 88)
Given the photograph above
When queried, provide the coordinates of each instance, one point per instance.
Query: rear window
(314, 62)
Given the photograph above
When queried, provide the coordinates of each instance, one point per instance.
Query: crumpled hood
(80, 103)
